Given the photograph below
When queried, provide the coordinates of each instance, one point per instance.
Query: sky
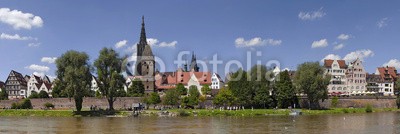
(35, 33)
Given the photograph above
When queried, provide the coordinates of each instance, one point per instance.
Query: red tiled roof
(328, 63)
(168, 80)
(390, 70)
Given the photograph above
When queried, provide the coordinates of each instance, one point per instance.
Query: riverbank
(191, 112)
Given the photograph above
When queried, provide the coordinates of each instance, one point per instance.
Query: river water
(374, 123)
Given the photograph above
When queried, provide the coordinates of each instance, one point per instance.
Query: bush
(345, 110)
(335, 101)
(368, 109)
(48, 105)
(183, 113)
(25, 104)
(43, 94)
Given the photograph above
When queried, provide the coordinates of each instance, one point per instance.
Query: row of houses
(18, 86)
(352, 79)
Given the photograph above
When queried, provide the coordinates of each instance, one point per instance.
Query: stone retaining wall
(126, 102)
(65, 103)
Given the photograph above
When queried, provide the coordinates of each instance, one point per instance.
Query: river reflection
(388, 122)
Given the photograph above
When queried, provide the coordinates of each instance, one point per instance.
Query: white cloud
(361, 54)
(34, 44)
(331, 57)
(338, 47)
(320, 43)
(344, 37)
(155, 43)
(312, 15)
(38, 68)
(18, 19)
(382, 22)
(121, 43)
(15, 37)
(49, 60)
(257, 41)
(392, 63)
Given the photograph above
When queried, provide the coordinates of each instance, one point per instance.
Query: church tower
(193, 64)
(145, 64)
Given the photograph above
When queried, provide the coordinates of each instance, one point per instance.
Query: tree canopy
(285, 92)
(311, 80)
(73, 73)
(136, 89)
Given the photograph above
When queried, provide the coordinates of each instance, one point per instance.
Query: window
(333, 88)
(357, 87)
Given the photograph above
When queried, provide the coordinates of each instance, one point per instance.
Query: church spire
(143, 34)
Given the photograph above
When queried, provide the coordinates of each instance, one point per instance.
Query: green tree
(397, 92)
(241, 89)
(136, 89)
(33, 95)
(108, 66)
(259, 85)
(152, 99)
(3, 95)
(43, 94)
(206, 90)
(73, 73)
(193, 98)
(285, 93)
(311, 80)
(122, 93)
(171, 97)
(58, 90)
(224, 98)
(180, 88)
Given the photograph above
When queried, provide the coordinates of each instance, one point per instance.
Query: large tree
(180, 88)
(224, 98)
(171, 97)
(311, 80)
(259, 84)
(240, 87)
(108, 66)
(152, 99)
(73, 73)
(397, 92)
(284, 91)
(206, 90)
(136, 89)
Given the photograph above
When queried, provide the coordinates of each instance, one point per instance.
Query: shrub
(335, 101)
(25, 104)
(183, 113)
(48, 105)
(345, 110)
(368, 109)
(43, 94)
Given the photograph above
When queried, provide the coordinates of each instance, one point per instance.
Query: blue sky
(291, 32)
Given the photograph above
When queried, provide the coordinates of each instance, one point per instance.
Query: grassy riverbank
(193, 112)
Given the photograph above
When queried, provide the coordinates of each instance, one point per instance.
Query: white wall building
(94, 84)
(356, 77)
(216, 81)
(337, 70)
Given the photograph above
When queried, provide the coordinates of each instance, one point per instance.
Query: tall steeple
(193, 64)
(143, 33)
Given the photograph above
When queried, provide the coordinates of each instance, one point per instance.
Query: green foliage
(74, 77)
(224, 97)
(241, 88)
(48, 105)
(58, 90)
(335, 101)
(136, 89)
(171, 97)
(206, 90)
(121, 93)
(25, 104)
(43, 94)
(98, 94)
(3, 95)
(180, 88)
(311, 80)
(108, 66)
(368, 108)
(285, 94)
(152, 99)
(183, 113)
(33, 95)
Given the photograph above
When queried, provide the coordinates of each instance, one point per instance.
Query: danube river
(388, 122)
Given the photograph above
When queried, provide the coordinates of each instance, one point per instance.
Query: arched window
(339, 88)
(333, 88)
(357, 87)
(352, 87)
